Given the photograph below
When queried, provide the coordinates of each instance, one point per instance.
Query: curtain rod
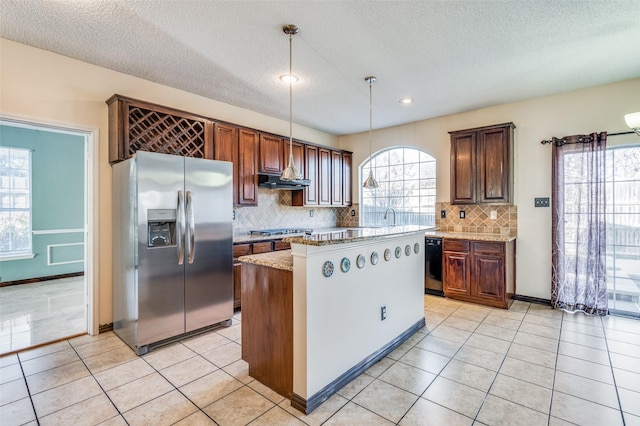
(562, 141)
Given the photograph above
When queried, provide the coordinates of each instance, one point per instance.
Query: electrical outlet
(443, 214)
(462, 214)
(541, 202)
(234, 215)
(310, 213)
(383, 313)
(353, 212)
(493, 214)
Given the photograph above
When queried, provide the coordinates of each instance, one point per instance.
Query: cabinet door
(270, 155)
(347, 158)
(225, 148)
(456, 274)
(488, 276)
(324, 176)
(336, 178)
(247, 165)
(494, 152)
(297, 149)
(238, 250)
(308, 196)
(463, 166)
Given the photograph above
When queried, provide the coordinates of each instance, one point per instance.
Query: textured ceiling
(450, 56)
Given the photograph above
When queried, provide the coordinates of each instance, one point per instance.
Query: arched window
(407, 179)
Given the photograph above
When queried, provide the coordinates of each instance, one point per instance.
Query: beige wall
(41, 85)
(598, 109)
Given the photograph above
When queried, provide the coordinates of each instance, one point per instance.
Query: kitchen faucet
(386, 212)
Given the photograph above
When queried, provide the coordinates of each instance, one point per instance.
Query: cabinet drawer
(281, 245)
(241, 250)
(487, 247)
(263, 247)
(456, 245)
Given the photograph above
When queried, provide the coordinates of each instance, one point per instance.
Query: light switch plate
(541, 202)
(493, 214)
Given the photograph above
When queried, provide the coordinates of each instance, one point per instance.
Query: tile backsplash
(478, 218)
(274, 210)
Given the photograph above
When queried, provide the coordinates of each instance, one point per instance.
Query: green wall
(57, 163)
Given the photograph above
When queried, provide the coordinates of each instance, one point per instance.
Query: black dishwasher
(433, 266)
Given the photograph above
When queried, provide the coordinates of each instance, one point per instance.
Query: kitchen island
(317, 316)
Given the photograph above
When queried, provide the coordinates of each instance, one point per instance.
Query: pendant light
(290, 173)
(371, 182)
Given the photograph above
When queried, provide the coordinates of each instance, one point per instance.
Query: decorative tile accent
(478, 218)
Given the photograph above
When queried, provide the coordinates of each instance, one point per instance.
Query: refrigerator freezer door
(209, 242)
(160, 277)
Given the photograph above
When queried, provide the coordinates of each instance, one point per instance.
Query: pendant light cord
(370, 119)
(290, 97)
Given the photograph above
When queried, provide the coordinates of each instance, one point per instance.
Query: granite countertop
(470, 236)
(276, 259)
(248, 238)
(351, 235)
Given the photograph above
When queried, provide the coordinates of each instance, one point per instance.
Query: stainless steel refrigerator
(172, 247)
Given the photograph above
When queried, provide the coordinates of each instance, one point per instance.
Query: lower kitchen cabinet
(479, 271)
(244, 249)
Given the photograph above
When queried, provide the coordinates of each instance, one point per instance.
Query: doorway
(46, 233)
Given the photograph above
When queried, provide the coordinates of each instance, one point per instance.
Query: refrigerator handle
(191, 228)
(180, 237)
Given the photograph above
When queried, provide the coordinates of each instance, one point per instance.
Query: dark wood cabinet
(336, 178)
(225, 148)
(270, 155)
(247, 168)
(309, 195)
(479, 271)
(482, 165)
(324, 177)
(347, 159)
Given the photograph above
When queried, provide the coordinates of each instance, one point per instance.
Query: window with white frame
(407, 188)
(15, 202)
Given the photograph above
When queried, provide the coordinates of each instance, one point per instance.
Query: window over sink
(407, 184)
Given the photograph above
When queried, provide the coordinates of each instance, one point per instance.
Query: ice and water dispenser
(161, 227)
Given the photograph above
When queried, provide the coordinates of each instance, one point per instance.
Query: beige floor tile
(591, 330)
(44, 350)
(542, 320)
(240, 407)
(581, 387)
(277, 416)
(65, 395)
(584, 352)
(621, 336)
(631, 420)
(320, 414)
(623, 324)
(439, 345)
(628, 349)
(94, 410)
(627, 379)
(461, 323)
(480, 357)
(496, 331)
(399, 352)
(123, 373)
(385, 400)
(210, 388)
(188, 370)
(408, 378)
(625, 362)
(451, 333)
(137, 392)
(271, 395)
(583, 339)
(196, 419)
(455, 396)
(115, 421)
(232, 333)
(17, 412)
(469, 374)
(532, 373)
(425, 360)
(109, 359)
(582, 318)
(426, 412)
(630, 401)
(540, 330)
(10, 373)
(441, 309)
(224, 355)
(169, 355)
(239, 370)
(510, 314)
(500, 321)
(554, 421)
(500, 412)
(352, 388)
(57, 376)
(492, 344)
(13, 391)
(97, 347)
(87, 338)
(521, 392)
(163, 410)
(538, 342)
(8, 360)
(583, 412)
(205, 342)
(580, 367)
(352, 414)
(532, 355)
(49, 361)
(379, 367)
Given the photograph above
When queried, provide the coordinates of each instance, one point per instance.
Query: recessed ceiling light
(286, 77)
(406, 100)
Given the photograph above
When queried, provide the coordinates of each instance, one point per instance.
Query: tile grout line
(24, 377)
(613, 375)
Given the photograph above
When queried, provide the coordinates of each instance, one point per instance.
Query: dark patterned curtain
(579, 230)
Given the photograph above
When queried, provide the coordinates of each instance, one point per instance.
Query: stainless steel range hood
(274, 182)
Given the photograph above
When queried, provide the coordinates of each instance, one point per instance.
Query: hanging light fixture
(633, 121)
(371, 182)
(290, 173)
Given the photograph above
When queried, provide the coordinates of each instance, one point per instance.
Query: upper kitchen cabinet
(247, 167)
(136, 125)
(309, 195)
(482, 165)
(225, 148)
(324, 177)
(270, 155)
(336, 178)
(347, 160)
(330, 174)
